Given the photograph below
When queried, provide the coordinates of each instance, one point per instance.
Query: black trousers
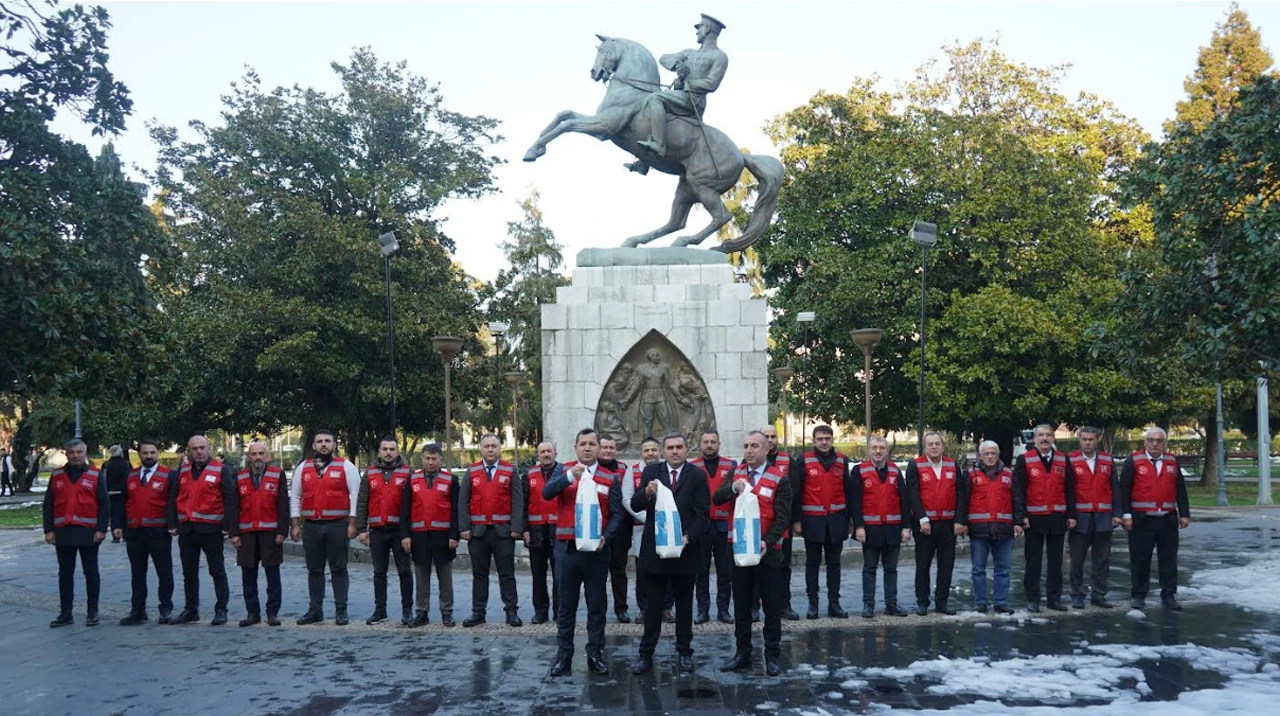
(6, 484)
(642, 593)
(786, 577)
(619, 551)
(152, 544)
(190, 545)
(496, 545)
(715, 549)
(766, 580)
(325, 542)
(384, 544)
(1161, 534)
(1098, 546)
(1036, 547)
(542, 555)
(67, 575)
(682, 584)
(940, 543)
(814, 553)
(872, 557)
(581, 574)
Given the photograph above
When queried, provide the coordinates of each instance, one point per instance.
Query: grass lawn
(23, 517)
(1239, 494)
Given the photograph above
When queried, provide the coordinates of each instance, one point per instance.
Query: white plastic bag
(588, 523)
(746, 529)
(637, 536)
(668, 537)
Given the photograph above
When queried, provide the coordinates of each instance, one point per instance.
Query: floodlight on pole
(804, 318)
(867, 339)
(925, 235)
(514, 378)
(388, 245)
(784, 374)
(498, 329)
(447, 347)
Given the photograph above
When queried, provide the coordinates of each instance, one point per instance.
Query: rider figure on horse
(698, 73)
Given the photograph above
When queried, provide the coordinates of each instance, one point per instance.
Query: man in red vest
(203, 507)
(931, 493)
(1096, 483)
(715, 543)
(619, 548)
(773, 488)
(1153, 507)
(1042, 478)
(322, 500)
(581, 573)
(76, 512)
(878, 500)
(540, 534)
(429, 530)
(378, 525)
(492, 518)
(259, 530)
(823, 491)
(141, 518)
(991, 512)
(782, 461)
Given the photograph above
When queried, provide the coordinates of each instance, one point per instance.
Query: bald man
(203, 508)
(258, 532)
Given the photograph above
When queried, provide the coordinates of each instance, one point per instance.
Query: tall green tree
(281, 309)
(1021, 180)
(535, 269)
(1233, 59)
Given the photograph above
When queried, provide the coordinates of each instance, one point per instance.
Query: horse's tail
(769, 172)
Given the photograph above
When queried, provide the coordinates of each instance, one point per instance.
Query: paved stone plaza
(1103, 662)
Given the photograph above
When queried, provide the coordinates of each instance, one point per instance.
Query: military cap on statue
(719, 25)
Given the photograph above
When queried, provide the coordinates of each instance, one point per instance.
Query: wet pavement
(1080, 659)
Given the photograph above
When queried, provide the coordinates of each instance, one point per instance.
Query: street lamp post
(498, 329)
(925, 235)
(514, 379)
(867, 339)
(783, 374)
(388, 245)
(1264, 439)
(804, 318)
(448, 347)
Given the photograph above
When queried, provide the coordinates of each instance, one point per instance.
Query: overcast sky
(523, 62)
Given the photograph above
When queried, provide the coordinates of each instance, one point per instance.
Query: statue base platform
(660, 256)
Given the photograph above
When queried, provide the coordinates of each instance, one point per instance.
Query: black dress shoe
(755, 615)
(1137, 603)
(406, 617)
(473, 620)
(62, 620)
(1077, 603)
(981, 609)
(250, 620)
(944, 608)
(420, 619)
(868, 612)
(724, 618)
(922, 609)
(1058, 606)
(738, 662)
(1002, 609)
(1102, 603)
(219, 617)
(91, 619)
(596, 665)
(134, 618)
(771, 668)
(1170, 603)
(561, 667)
(187, 616)
(668, 617)
(513, 620)
(835, 612)
(642, 665)
(311, 617)
(378, 616)
(1034, 607)
(273, 620)
(623, 617)
(813, 611)
(790, 614)
(702, 618)
(894, 610)
(165, 618)
(340, 617)
(447, 620)
(541, 618)
(684, 662)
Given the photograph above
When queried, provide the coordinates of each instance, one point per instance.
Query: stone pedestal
(617, 308)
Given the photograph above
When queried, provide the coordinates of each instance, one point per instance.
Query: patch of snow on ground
(1135, 614)
(1251, 586)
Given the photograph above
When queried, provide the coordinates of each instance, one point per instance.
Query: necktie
(488, 469)
(674, 473)
(146, 475)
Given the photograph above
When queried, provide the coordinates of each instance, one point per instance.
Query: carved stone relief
(654, 390)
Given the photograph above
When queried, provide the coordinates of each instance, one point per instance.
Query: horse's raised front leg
(540, 146)
(680, 207)
(601, 126)
(710, 199)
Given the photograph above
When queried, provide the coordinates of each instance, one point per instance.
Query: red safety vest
(386, 495)
(990, 500)
(431, 510)
(881, 501)
(259, 507)
(1152, 492)
(147, 505)
(200, 497)
(490, 499)
(75, 503)
(782, 461)
(541, 510)
(715, 478)
(937, 492)
(1093, 487)
(765, 490)
(1046, 489)
(823, 488)
(566, 500)
(325, 497)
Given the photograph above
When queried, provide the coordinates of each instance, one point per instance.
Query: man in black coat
(688, 484)
(116, 471)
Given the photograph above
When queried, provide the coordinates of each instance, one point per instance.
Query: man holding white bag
(772, 489)
(676, 501)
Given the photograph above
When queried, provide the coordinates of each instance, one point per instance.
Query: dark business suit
(693, 501)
